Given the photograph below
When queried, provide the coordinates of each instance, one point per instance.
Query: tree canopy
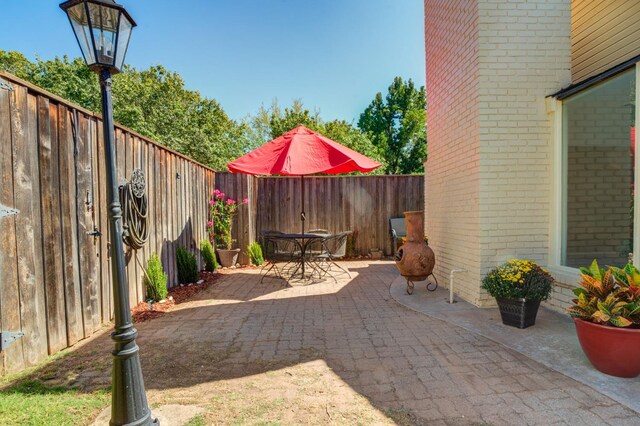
(269, 123)
(396, 125)
(155, 103)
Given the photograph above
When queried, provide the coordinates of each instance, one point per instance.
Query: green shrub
(209, 256)
(156, 281)
(255, 253)
(187, 266)
(352, 239)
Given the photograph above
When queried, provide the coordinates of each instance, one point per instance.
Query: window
(598, 173)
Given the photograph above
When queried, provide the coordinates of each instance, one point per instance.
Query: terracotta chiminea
(415, 259)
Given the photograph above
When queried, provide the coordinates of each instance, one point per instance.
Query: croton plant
(609, 296)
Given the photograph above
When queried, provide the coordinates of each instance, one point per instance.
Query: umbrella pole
(303, 216)
(302, 219)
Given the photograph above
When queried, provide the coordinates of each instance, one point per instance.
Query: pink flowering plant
(223, 209)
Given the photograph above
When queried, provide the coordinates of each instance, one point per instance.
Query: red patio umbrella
(301, 152)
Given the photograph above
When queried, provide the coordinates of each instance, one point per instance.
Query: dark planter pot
(228, 257)
(519, 313)
(611, 350)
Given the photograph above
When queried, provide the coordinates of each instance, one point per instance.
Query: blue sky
(334, 55)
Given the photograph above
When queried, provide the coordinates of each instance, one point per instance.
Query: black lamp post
(103, 29)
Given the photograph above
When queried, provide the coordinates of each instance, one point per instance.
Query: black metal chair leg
(332, 262)
(272, 266)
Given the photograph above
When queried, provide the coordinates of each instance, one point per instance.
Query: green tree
(269, 123)
(353, 138)
(396, 125)
(153, 102)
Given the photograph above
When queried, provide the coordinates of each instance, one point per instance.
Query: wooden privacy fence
(55, 283)
(362, 204)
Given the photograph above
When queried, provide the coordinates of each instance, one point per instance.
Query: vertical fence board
(68, 199)
(171, 215)
(157, 203)
(163, 218)
(146, 250)
(193, 216)
(84, 216)
(13, 356)
(185, 228)
(27, 200)
(50, 194)
(94, 243)
(196, 215)
(102, 214)
(186, 231)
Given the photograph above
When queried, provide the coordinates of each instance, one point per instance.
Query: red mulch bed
(179, 294)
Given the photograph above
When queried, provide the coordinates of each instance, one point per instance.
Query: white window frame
(567, 274)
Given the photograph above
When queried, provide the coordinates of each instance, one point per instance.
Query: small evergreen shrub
(255, 253)
(187, 266)
(156, 281)
(352, 238)
(209, 256)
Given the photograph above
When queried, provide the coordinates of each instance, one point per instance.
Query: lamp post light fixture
(103, 29)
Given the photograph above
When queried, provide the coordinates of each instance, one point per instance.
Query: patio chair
(334, 247)
(397, 230)
(319, 231)
(276, 250)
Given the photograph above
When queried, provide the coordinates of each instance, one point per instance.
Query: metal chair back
(319, 231)
(274, 248)
(336, 245)
(397, 230)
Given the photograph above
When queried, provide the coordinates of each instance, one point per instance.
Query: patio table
(302, 241)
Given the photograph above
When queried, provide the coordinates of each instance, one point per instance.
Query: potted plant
(518, 286)
(376, 253)
(223, 209)
(606, 313)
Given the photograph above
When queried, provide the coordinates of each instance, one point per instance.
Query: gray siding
(604, 33)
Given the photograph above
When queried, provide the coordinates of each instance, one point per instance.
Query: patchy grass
(404, 417)
(31, 402)
(197, 421)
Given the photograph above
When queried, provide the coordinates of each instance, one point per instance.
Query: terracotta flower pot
(611, 350)
(228, 257)
(415, 259)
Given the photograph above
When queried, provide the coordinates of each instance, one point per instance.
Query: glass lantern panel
(123, 40)
(78, 17)
(104, 21)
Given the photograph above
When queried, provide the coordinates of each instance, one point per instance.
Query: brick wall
(525, 52)
(561, 297)
(490, 65)
(452, 167)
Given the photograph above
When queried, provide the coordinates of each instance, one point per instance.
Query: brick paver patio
(399, 359)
